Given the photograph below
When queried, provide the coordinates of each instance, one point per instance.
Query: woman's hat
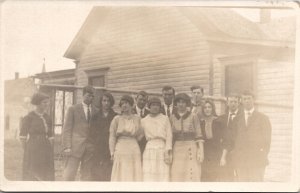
(127, 98)
(37, 98)
(184, 97)
(153, 100)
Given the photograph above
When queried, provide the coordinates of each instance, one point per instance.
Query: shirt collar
(235, 112)
(85, 105)
(249, 111)
(138, 109)
(166, 106)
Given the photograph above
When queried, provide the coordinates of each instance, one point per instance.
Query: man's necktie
(141, 113)
(168, 110)
(248, 116)
(88, 114)
(231, 115)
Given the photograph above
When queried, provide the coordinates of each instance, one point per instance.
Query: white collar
(85, 105)
(170, 106)
(249, 111)
(235, 112)
(138, 109)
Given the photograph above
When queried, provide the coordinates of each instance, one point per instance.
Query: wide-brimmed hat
(184, 97)
(127, 98)
(38, 97)
(153, 100)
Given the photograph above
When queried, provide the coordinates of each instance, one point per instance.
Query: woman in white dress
(158, 133)
(125, 131)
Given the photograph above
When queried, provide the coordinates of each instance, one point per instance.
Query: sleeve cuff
(50, 138)
(200, 140)
(23, 137)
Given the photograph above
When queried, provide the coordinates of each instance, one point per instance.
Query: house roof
(216, 24)
(56, 74)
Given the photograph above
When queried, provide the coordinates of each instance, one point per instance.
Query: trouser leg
(87, 165)
(250, 174)
(71, 167)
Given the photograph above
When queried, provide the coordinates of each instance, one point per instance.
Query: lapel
(134, 110)
(242, 122)
(81, 111)
(252, 119)
(93, 111)
(186, 115)
(162, 110)
(174, 110)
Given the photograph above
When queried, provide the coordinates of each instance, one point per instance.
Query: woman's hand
(51, 140)
(200, 155)
(223, 157)
(168, 157)
(23, 143)
(223, 161)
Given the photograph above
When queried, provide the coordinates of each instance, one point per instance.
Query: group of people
(179, 139)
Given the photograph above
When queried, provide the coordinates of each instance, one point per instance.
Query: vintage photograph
(102, 93)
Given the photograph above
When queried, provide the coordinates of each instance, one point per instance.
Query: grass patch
(13, 159)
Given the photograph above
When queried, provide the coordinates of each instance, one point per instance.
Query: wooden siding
(273, 84)
(148, 55)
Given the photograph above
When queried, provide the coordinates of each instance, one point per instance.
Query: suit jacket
(162, 110)
(252, 143)
(76, 130)
(228, 132)
(146, 112)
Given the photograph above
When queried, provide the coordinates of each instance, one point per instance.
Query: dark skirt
(211, 165)
(38, 161)
(102, 170)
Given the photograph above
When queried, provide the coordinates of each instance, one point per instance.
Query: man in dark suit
(141, 110)
(228, 127)
(252, 143)
(168, 94)
(140, 107)
(76, 146)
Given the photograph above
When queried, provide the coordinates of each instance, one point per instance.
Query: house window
(96, 76)
(238, 77)
(98, 81)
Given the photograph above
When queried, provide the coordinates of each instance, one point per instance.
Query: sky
(34, 30)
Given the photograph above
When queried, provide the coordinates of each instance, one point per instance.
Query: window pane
(97, 81)
(238, 78)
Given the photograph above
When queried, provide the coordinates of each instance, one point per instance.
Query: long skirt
(154, 167)
(185, 166)
(211, 170)
(127, 165)
(38, 161)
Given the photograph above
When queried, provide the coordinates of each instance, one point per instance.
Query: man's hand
(67, 151)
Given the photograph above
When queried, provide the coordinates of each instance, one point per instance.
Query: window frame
(238, 60)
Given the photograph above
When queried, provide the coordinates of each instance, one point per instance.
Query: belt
(186, 136)
(157, 139)
(38, 137)
(125, 137)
